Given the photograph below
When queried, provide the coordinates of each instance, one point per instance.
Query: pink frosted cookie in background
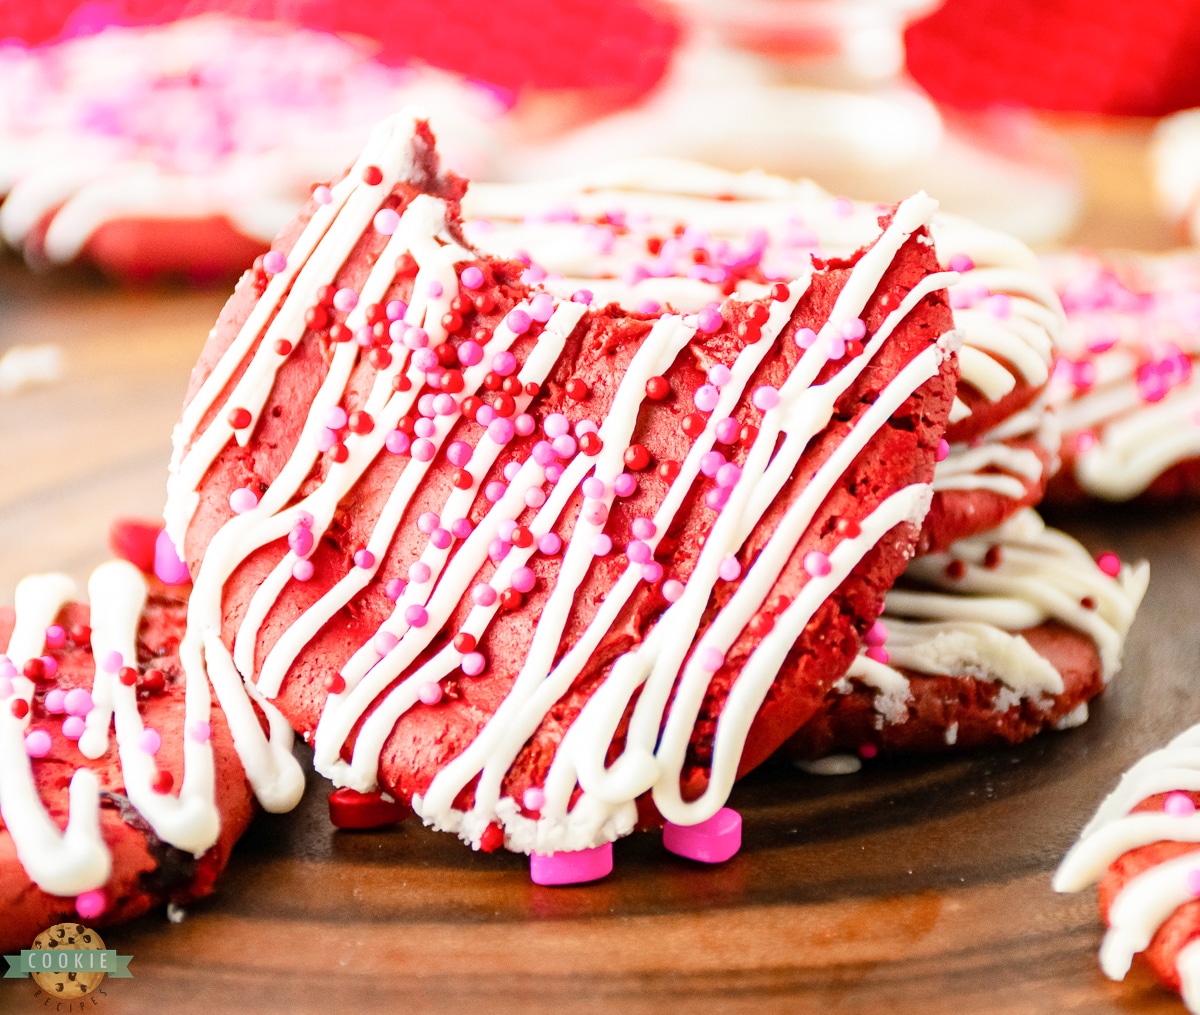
(87, 834)
(1124, 389)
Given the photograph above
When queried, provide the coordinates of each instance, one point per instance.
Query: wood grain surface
(911, 887)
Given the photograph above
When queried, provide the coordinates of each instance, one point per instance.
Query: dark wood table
(917, 886)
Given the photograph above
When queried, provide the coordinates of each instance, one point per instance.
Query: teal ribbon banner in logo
(67, 960)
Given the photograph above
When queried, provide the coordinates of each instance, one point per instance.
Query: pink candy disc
(90, 905)
(711, 841)
(572, 868)
(167, 565)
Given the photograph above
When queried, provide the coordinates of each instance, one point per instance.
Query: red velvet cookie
(533, 563)
(1141, 846)
(1008, 634)
(1125, 389)
(659, 232)
(65, 669)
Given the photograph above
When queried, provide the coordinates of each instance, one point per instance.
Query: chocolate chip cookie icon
(68, 977)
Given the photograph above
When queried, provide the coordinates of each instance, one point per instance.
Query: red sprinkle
(510, 599)
(492, 838)
(471, 405)
(761, 624)
(406, 266)
(380, 359)
(868, 751)
(452, 382)
(402, 382)
(693, 424)
(888, 302)
(1088, 603)
(339, 333)
(658, 388)
(854, 348)
(505, 405)
(339, 453)
(452, 322)
(956, 570)
(154, 680)
(993, 557)
(492, 381)
(780, 292)
(326, 294)
(335, 683)
(376, 313)
(282, 347)
(668, 471)
(462, 480)
(464, 642)
(748, 331)
(461, 304)
(591, 444)
(239, 419)
(372, 176)
(577, 389)
(446, 353)
(511, 385)
(34, 669)
(757, 313)
(848, 528)
(317, 318)
(163, 782)
(748, 434)
(637, 457)
(81, 635)
(128, 676)
(485, 303)
(1109, 563)
(360, 422)
(533, 389)
(521, 538)
(20, 708)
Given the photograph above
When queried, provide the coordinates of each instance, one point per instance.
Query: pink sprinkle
(483, 595)
(419, 572)
(524, 424)
(877, 634)
(394, 311)
(300, 540)
(73, 727)
(384, 642)
(854, 329)
(523, 579)
(594, 488)
(473, 664)
(625, 484)
(394, 589)
(554, 473)
(1192, 880)
(345, 300)
(706, 397)
(460, 528)
(386, 221)
(638, 552)
(533, 799)
(709, 320)
(322, 195)
(397, 329)
(434, 289)
(428, 521)
(444, 405)
(710, 659)
(304, 519)
(430, 692)
(711, 462)
(727, 430)
(719, 375)
(302, 570)
(817, 564)
(836, 346)
(1179, 805)
(494, 491)
(652, 572)
(601, 545)
(672, 590)
(517, 322)
(556, 425)
(365, 337)
(541, 307)
(511, 470)
(766, 397)
(1084, 442)
(440, 538)
(56, 637)
(112, 662)
(585, 426)
(150, 741)
(425, 360)
(564, 446)
(56, 701)
(1109, 563)
(728, 475)
(730, 569)
(961, 262)
(595, 512)
(1000, 306)
(867, 750)
(504, 363)
(200, 731)
(416, 615)
(717, 497)
(38, 743)
(336, 418)
(325, 439)
(498, 549)
(273, 262)
(416, 338)
(484, 415)
(644, 528)
(470, 353)
(78, 702)
(90, 905)
(397, 442)
(364, 558)
(805, 337)
(943, 449)
(49, 665)
(6, 687)
(471, 277)
(506, 529)
(543, 453)
(501, 430)
(549, 544)
(423, 450)
(878, 653)
(243, 499)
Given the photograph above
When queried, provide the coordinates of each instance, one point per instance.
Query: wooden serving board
(911, 887)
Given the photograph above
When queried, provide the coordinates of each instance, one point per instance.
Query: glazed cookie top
(1123, 389)
(961, 613)
(208, 116)
(664, 232)
(406, 474)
